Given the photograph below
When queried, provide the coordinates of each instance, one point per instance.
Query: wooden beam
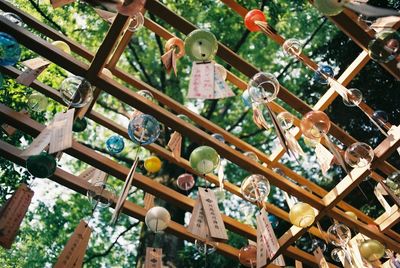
(131, 209)
(87, 155)
(159, 150)
(346, 77)
(196, 118)
(344, 187)
(102, 55)
(346, 21)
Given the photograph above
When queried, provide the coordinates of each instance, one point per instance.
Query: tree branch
(45, 16)
(108, 250)
(121, 111)
(249, 135)
(303, 46)
(142, 69)
(230, 128)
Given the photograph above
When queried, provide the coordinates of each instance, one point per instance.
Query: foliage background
(56, 211)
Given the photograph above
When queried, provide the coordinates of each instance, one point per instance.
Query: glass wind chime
(207, 79)
(384, 48)
(262, 89)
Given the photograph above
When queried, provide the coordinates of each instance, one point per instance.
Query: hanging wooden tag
(93, 175)
(175, 144)
(201, 85)
(106, 15)
(153, 258)
(378, 193)
(384, 23)
(12, 214)
(148, 201)
(39, 143)
(34, 68)
(125, 191)
(319, 256)
(324, 158)
(221, 88)
(60, 3)
(298, 264)
(197, 224)
(169, 61)
(75, 249)
(212, 213)
(221, 173)
(262, 250)
(61, 131)
(270, 237)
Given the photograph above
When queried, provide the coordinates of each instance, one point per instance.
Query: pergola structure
(326, 203)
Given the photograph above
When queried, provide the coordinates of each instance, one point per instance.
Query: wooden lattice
(327, 203)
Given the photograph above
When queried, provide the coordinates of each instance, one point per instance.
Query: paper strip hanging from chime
(12, 214)
(34, 68)
(175, 50)
(74, 251)
(125, 190)
(212, 214)
(58, 134)
(153, 258)
(325, 158)
(175, 144)
(206, 82)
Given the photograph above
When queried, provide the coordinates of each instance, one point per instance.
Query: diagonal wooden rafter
(174, 105)
(125, 94)
(102, 55)
(326, 207)
(87, 155)
(162, 152)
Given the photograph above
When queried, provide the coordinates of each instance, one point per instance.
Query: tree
(48, 225)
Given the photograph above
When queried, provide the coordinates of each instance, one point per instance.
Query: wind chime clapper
(143, 129)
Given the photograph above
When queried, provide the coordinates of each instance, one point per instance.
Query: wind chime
(143, 129)
(207, 79)
(255, 188)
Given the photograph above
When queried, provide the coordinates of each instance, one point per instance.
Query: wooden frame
(326, 203)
